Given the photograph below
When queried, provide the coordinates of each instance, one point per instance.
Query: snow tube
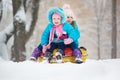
(84, 53)
(68, 55)
(68, 52)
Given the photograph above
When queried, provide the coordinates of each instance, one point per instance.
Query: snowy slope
(91, 70)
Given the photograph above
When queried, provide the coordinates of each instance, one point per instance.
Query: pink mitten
(44, 49)
(48, 46)
(68, 41)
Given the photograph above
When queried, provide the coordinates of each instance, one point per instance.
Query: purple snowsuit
(77, 53)
(36, 52)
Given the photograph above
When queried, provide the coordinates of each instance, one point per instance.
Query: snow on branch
(20, 16)
(9, 30)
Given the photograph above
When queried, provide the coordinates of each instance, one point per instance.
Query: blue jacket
(66, 28)
(77, 32)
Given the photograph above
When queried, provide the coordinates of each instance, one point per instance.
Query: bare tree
(1, 9)
(99, 6)
(21, 36)
(114, 30)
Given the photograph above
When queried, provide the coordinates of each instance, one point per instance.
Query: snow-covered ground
(90, 70)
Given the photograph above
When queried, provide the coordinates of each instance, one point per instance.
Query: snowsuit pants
(60, 48)
(76, 51)
(36, 52)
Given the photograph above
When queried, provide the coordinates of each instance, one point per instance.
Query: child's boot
(58, 57)
(78, 56)
(35, 54)
(48, 56)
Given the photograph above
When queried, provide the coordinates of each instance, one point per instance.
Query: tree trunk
(21, 36)
(34, 13)
(114, 30)
(99, 11)
(1, 7)
(19, 33)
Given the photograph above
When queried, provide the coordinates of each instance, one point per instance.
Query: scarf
(59, 33)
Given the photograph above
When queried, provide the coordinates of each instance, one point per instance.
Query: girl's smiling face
(56, 21)
(56, 18)
(70, 19)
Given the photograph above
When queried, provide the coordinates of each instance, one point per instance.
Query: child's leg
(50, 51)
(40, 47)
(77, 53)
(60, 52)
(36, 52)
(61, 47)
(48, 54)
(73, 45)
(76, 50)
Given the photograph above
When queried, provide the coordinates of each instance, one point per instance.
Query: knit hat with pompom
(68, 11)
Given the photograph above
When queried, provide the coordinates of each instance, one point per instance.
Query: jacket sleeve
(45, 35)
(77, 32)
(72, 33)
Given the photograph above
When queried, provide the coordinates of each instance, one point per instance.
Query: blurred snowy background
(22, 22)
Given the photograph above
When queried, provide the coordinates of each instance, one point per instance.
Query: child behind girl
(74, 45)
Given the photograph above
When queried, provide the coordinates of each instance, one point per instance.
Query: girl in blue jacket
(71, 19)
(57, 34)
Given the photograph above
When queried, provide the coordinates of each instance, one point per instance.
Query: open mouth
(56, 22)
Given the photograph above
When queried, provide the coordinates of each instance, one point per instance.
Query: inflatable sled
(68, 57)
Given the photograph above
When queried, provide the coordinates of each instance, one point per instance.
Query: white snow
(3, 47)
(6, 14)
(90, 70)
(9, 29)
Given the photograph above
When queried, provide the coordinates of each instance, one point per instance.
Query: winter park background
(21, 25)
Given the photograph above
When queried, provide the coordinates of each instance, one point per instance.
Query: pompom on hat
(68, 11)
